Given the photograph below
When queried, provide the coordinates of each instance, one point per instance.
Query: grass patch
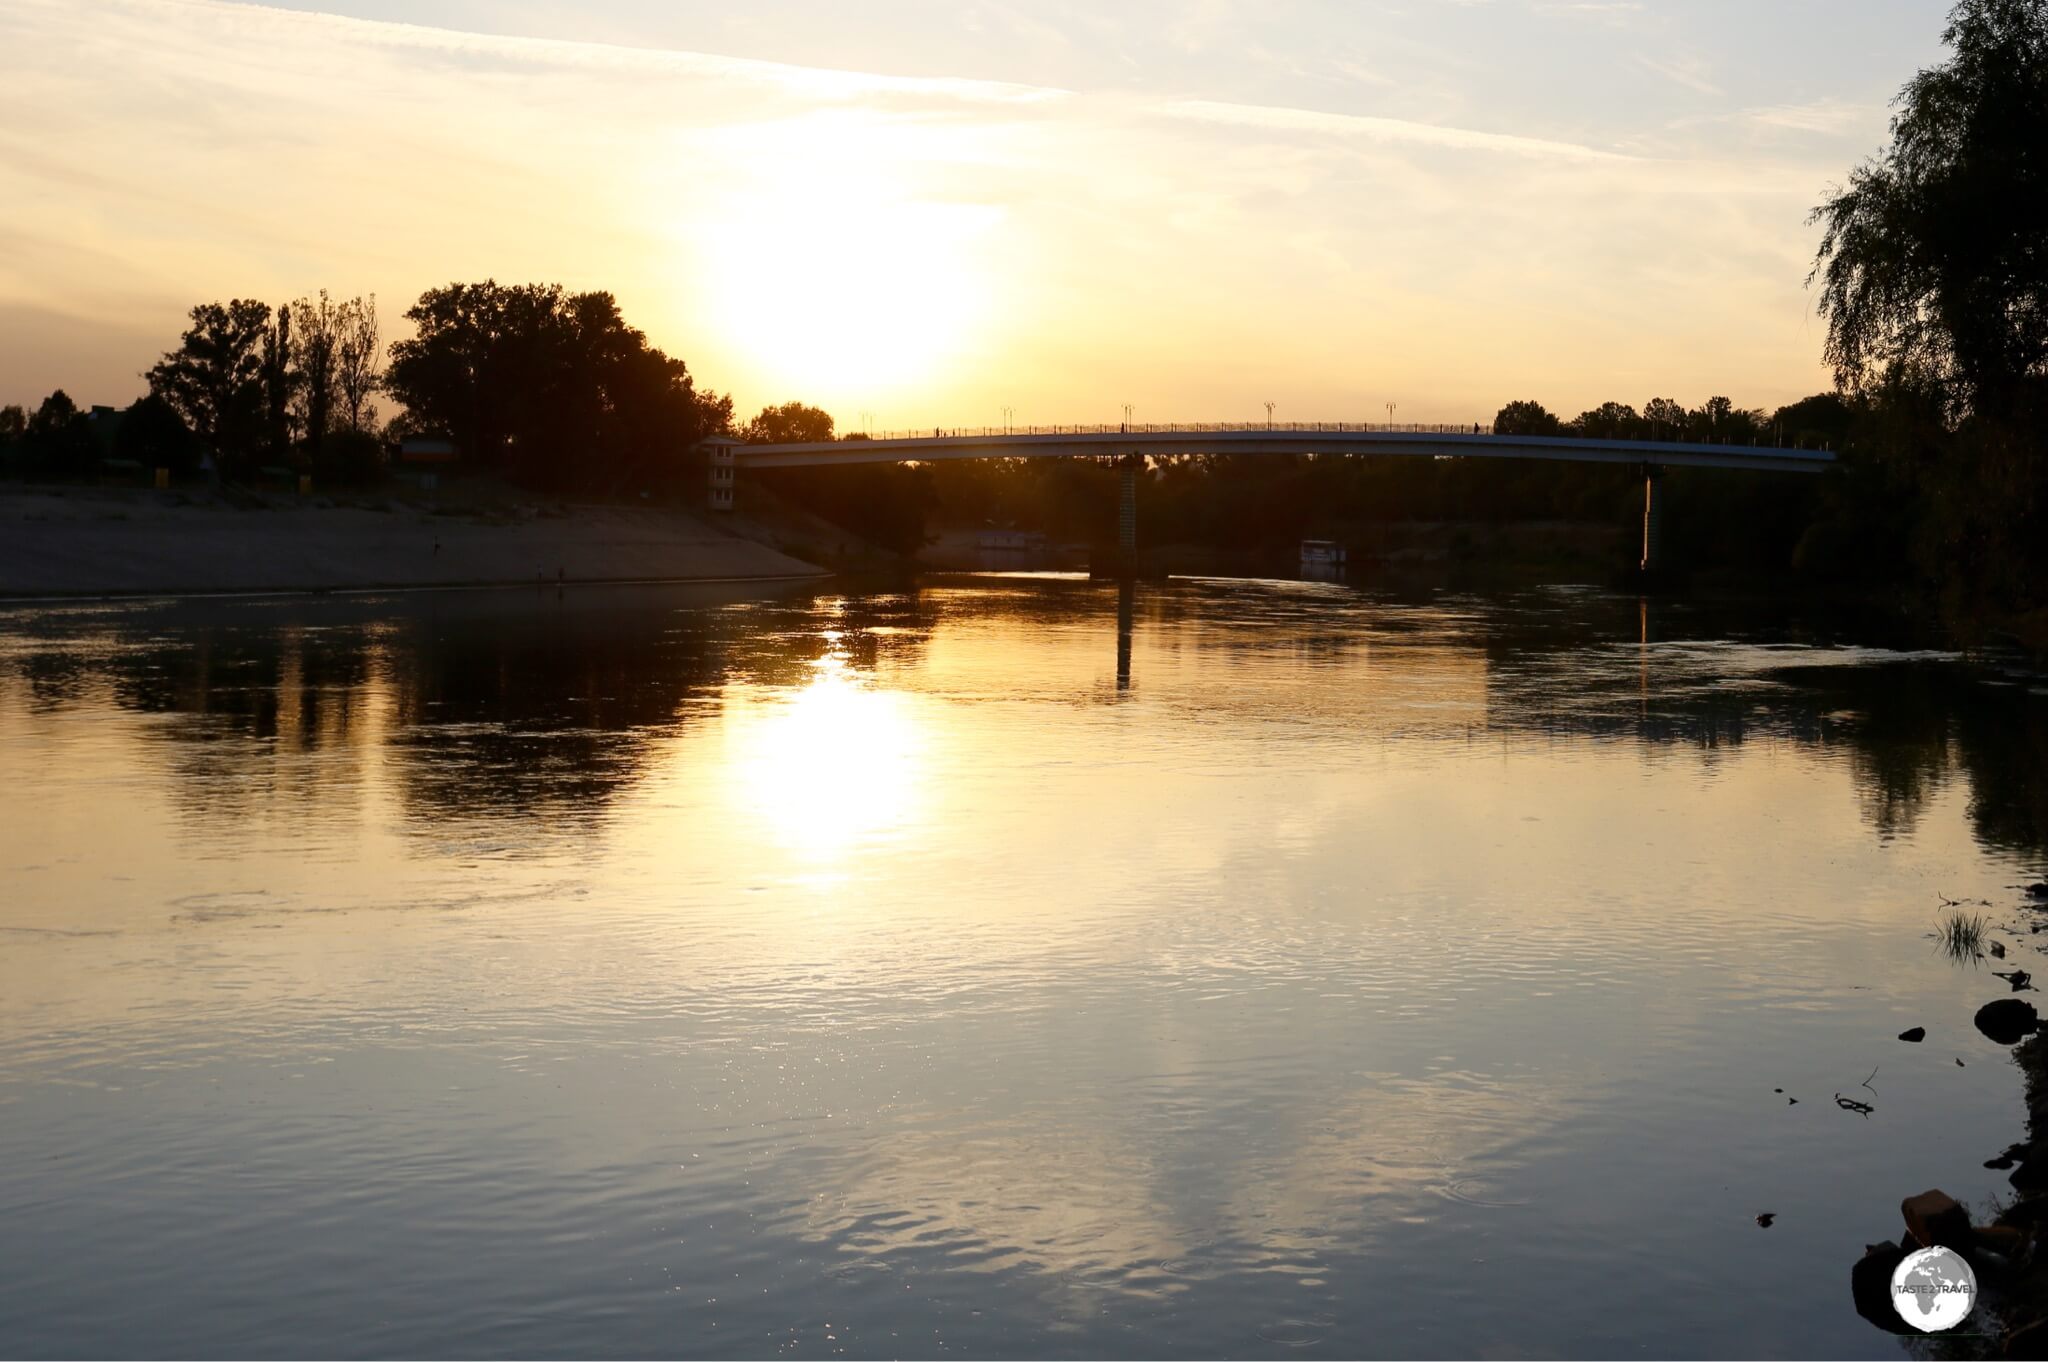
(1961, 935)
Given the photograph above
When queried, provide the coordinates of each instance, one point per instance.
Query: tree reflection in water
(513, 704)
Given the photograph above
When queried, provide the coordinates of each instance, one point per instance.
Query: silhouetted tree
(1935, 256)
(1933, 271)
(57, 441)
(358, 363)
(1664, 418)
(314, 356)
(13, 423)
(214, 379)
(1609, 421)
(154, 435)
(1718, 420)
(1526, 418)
(280, 382)
(550, 386)
(1823, 419)
(790, 423)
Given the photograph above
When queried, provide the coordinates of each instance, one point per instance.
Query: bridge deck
(1110, 442)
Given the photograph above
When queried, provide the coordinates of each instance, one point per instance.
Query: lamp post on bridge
(1269, 414)
(1008, 412)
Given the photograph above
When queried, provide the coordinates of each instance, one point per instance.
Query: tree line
(550, 388)
(246, 386)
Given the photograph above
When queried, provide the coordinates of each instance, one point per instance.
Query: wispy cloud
(1826, 118)
(1390, 130)
(507, 53)
(1686, 71)
(1611, 11)
(1830, 116)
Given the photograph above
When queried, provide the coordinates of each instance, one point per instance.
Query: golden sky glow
(1193, 210)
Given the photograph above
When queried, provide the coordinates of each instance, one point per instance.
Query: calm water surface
(1004, 967)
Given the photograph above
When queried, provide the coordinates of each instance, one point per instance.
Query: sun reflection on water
(830, 766)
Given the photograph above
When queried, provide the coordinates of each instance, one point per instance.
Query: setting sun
(838, 269)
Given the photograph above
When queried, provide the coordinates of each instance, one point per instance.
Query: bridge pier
(1653, 519)
(1122, 561)
(1127, 508)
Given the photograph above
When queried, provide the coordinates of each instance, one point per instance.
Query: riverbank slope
(93, 542)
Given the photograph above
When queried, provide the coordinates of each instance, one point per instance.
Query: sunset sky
(918, 211)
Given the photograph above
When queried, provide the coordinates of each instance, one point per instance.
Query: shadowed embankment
(93, 543)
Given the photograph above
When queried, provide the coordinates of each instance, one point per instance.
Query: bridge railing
(1175, 427)
(1658, 433)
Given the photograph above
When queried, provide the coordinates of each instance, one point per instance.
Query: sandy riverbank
(124, 542)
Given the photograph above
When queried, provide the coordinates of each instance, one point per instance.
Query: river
(1007, 966)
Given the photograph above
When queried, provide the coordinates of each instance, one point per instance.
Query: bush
(153, 434)
(349, 458)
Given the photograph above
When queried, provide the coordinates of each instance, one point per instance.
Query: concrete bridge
(1129, 444)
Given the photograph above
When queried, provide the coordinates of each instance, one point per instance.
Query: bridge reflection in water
(1126, 593)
